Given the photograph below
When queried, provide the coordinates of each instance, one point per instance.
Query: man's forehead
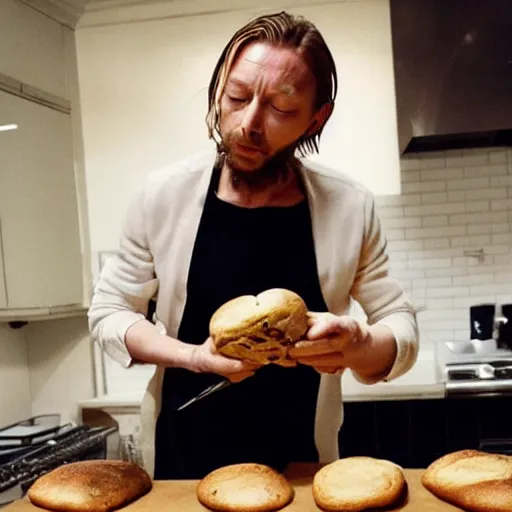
(284, 64)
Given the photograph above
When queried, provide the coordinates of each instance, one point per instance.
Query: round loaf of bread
(244, 488)
(261, 328)
(473, 480)
(90, 486)
(358, 483)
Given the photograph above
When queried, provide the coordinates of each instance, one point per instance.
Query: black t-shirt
(268, 418)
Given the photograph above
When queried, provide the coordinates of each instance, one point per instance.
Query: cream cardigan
(155, 252)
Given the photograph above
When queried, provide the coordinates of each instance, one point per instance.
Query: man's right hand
(206, 360)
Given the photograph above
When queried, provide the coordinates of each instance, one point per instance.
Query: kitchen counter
(181, 495)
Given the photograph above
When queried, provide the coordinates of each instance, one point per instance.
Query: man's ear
(320, 117)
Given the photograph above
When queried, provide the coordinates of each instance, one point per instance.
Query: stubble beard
(274, 169)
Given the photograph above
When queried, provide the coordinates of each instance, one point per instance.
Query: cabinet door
(38, 206)
(3, 289)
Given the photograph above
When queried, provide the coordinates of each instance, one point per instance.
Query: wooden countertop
(181, 495)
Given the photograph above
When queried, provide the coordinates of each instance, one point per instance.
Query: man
(249, 217)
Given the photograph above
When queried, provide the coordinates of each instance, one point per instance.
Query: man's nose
(252, 120)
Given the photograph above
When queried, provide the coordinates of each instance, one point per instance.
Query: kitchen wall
(15, 398)
(451, 203)
(45, 366)
(144, 98)
(59, 356)
(135, 120)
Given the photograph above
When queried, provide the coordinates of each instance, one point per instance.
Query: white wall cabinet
(3, 286)
(40, 234)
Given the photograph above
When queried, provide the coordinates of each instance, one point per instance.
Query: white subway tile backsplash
(410, 176)
(441, 325)
(395, 234)
(452, 202)
(427, 186)
(447, 314)
(490, 193)
(434, 198)
(467, 184)
(409, 274)
(487, 170)
(474, 279)
(497, 249)
(482, 229)
(456, 196)
(454, 291)
(405, 245)
(498, 157)
(478, 206)
(501, 228)
(435, 220)
(436, 243)
(441, 174)
(502, 204)
(470, 218)
(504, 299)
(408, 163)
(453, 271)
(439, 304)
(432, 161)
(504, 238)
(402, 222)
(440, 209)
(462, 334)
(430, 263)
(436, 336)
(488, 268)
(410, 200)
(470, 158)
(437, 232)
(434, 253)
(501, 181)
(503, 259)
(468, 301)
(390, 211)
(488, 289)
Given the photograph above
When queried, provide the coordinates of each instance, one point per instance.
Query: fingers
(329, 361)
(321, 347)
(323, 326)
(233, 366)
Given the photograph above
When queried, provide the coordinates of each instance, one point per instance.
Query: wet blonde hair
(279, 29)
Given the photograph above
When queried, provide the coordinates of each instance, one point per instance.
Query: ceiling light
(8, 127)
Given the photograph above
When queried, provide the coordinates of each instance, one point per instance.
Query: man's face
(266, 106)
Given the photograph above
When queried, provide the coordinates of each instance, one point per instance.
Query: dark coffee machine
(482, 321)
(504, 327)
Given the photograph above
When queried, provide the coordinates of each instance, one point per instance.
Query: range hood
(453, 73)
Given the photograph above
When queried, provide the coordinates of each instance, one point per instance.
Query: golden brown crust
(244, 488)
(473, 480)
(90, 486)
(260, 328)
(358, 483)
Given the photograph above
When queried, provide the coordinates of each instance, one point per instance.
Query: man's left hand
(335, 343)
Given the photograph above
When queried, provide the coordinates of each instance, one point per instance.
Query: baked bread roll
(244, 488)
(90, 486)
(473, 480)
(358, 483)
(260, 328)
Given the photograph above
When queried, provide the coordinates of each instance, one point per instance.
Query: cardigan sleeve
(382, 298)
(125, 286)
